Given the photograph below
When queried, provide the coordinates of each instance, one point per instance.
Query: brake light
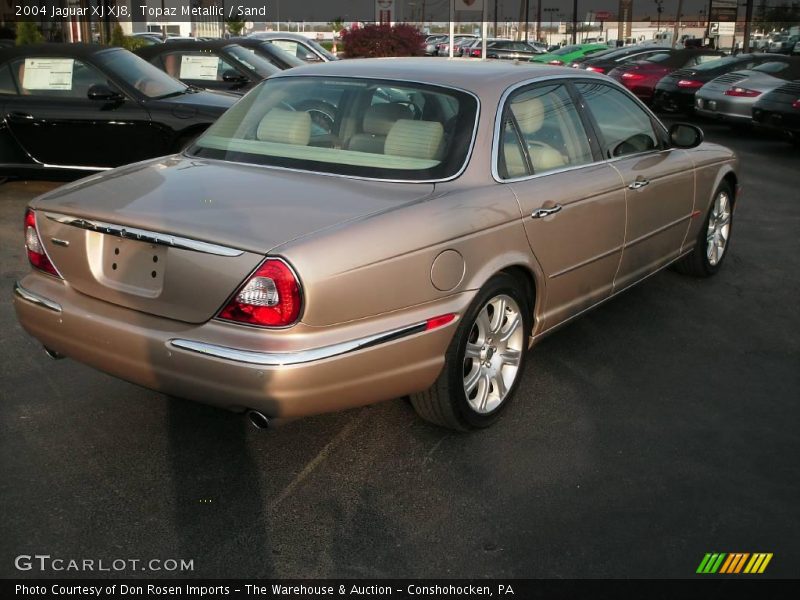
(556, 62)
(740, 92)
(596, 69)
(270, 298)
(33, 244)
(796, 103)
(690, 84)
(476, 53)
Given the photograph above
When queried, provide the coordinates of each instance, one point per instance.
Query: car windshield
(272, 51)
(251, 61)
(319, 48)
(140, 74)
(347, 126)
(772, 67)
(660, 57)
(722, 62)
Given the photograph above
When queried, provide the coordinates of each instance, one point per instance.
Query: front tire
(713, 239)
(485, 360)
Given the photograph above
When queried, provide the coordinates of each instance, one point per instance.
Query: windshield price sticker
(199, 67)
(48, 74)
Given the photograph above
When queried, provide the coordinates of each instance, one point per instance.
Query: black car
(676, 92)
(780, 109)
(603, 62)
(68, 108)
(269, 52)
(213, 64)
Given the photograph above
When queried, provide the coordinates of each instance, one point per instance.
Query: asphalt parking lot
(659, 427)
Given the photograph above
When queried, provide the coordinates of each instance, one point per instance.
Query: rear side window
(541, 132)
(55, 76)
(625, 128)
(194, 65)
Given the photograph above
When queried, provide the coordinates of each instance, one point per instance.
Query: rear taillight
(555, 62)
(690, 84)
(796, 103)
(632, 76)
(33, 244)
(270, 298)
(476, 53)
(740, 92)
(596, 69)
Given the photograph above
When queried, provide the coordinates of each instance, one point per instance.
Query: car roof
(479, 77)
(287, 35)
(67, 50)
(187, 45)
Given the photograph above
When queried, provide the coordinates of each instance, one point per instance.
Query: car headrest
(285, 127)
(414, 139)
(529, 114)
(378, 119)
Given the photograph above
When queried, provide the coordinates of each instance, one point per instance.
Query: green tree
(28, 33)
(117, 36)
(235, 26)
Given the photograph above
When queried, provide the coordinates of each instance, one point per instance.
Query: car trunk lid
(175, 237)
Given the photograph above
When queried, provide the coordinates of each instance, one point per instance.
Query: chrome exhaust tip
(258, 419)
(52, 353)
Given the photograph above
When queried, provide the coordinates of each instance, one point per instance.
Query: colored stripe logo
(734, 563)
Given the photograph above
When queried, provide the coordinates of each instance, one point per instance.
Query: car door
(56, 123)
(573, 204)
(659, 180)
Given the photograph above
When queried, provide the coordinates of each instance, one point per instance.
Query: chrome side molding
(144, 235)
(282, 359)
(35, 298)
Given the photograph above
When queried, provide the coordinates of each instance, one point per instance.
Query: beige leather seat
(285, 127)
(378, 120)
(530, 115)
(415, 139)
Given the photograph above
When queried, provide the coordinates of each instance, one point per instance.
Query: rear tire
(713, 240)
(485, 360)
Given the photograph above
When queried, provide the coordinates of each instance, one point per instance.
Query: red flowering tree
(382, 40)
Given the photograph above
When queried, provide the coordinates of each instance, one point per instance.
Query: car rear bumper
(673, 101)
(778, 120)
(237, 367)
(719, 108)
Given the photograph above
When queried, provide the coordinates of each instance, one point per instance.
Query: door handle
(639, 183)
(545, 212)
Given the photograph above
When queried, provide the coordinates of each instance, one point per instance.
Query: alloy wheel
(719, 228)
(493, 354)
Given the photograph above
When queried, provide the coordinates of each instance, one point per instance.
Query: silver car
(730, 97)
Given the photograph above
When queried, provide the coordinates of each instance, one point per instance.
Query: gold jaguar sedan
(362, 230)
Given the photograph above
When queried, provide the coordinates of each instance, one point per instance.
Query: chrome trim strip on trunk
(144, 235)
(282, 359)
(35, 298)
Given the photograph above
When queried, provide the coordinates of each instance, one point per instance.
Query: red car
(641, 77)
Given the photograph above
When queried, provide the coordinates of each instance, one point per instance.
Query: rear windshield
(784, 70)
(147, 79)
(347, 126)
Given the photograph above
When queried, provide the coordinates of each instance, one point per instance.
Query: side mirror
(311, 57)
(685, 135)
(231, 76)
(103, 93)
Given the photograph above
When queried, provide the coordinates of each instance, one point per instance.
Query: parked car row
(72, 108)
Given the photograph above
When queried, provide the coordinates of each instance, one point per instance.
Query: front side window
(541, 132)
(57, 77)
(625, 127)
(347, 126)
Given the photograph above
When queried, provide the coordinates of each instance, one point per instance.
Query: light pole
(659, 10)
